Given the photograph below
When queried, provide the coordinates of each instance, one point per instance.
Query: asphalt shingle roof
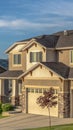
(49, 41)
(65, 41)
(11, 74)
(70, 73)
(2, 69)
(56, 40)
(58, 67)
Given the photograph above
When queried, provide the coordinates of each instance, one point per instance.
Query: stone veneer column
(24, 98)
(2, 96)
(15, 98)
(64, 105)
(64, 100)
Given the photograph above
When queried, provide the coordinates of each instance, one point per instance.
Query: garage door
(34, 108)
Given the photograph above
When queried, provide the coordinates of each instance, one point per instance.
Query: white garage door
(34, 108)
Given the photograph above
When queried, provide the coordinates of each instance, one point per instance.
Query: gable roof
(57, 67)
(49, 41)
(64, 41)
(62, 70)
(56, 41)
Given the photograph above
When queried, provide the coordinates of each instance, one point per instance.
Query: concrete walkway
(24, 121)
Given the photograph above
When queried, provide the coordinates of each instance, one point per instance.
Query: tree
(48, 99)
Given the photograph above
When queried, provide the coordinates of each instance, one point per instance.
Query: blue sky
(21, 19)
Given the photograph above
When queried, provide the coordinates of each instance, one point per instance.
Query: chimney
(65, 33)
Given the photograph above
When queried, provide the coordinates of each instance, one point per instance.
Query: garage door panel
(34, 108)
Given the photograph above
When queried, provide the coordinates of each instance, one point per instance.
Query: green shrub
(0, 105)
(0, 108)
(7, 107)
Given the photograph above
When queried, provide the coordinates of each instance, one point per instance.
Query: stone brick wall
(64, 105)
(15, 101)
(24, 101)
(20, 100)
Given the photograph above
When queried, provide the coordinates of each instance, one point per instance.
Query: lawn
(2, 116)
(63, 127)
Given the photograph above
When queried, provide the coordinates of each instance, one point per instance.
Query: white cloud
(24, 24)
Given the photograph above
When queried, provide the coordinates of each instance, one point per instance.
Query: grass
(2, 116)
(62, 127)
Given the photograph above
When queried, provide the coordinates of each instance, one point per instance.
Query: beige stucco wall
(42, 73)
(16, 50)
(21, 66)
(51, 56)
(11, 65)
(64, 56)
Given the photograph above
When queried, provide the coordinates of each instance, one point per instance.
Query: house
(35, 65)
(4, 63)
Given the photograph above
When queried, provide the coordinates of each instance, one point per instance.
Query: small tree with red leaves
(48, 99)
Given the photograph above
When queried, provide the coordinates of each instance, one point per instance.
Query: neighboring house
(37, 64)
(2, 69)
(4, 63)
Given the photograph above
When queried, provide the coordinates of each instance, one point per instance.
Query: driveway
(24, 121)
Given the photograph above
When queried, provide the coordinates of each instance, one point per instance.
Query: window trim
(37, 55)
(20, 59)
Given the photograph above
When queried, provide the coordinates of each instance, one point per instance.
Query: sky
(23, 19)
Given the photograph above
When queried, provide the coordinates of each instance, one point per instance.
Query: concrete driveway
(24, 121)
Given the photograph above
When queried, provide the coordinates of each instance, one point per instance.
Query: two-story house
(35, 65)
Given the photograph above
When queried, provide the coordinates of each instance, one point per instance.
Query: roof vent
(65, 33)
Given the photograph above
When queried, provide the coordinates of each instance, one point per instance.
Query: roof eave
(31, 43)
(24, 74)
(64, 48)
(8, 77)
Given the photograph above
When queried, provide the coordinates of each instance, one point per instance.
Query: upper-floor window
(71, 56)
(35, 56)
(17, 59)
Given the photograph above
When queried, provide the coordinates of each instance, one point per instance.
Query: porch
(11, 88)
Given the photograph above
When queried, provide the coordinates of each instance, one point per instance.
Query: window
(35, 56)
(36, 90)
(71, 56)
(17, 59)
(19, 86)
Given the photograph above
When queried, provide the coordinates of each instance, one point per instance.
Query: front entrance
(34, 108)
(7, 90)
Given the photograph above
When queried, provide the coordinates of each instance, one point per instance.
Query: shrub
(7, 107)
(0, 108)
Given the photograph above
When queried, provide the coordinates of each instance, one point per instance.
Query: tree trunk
(49, 118)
